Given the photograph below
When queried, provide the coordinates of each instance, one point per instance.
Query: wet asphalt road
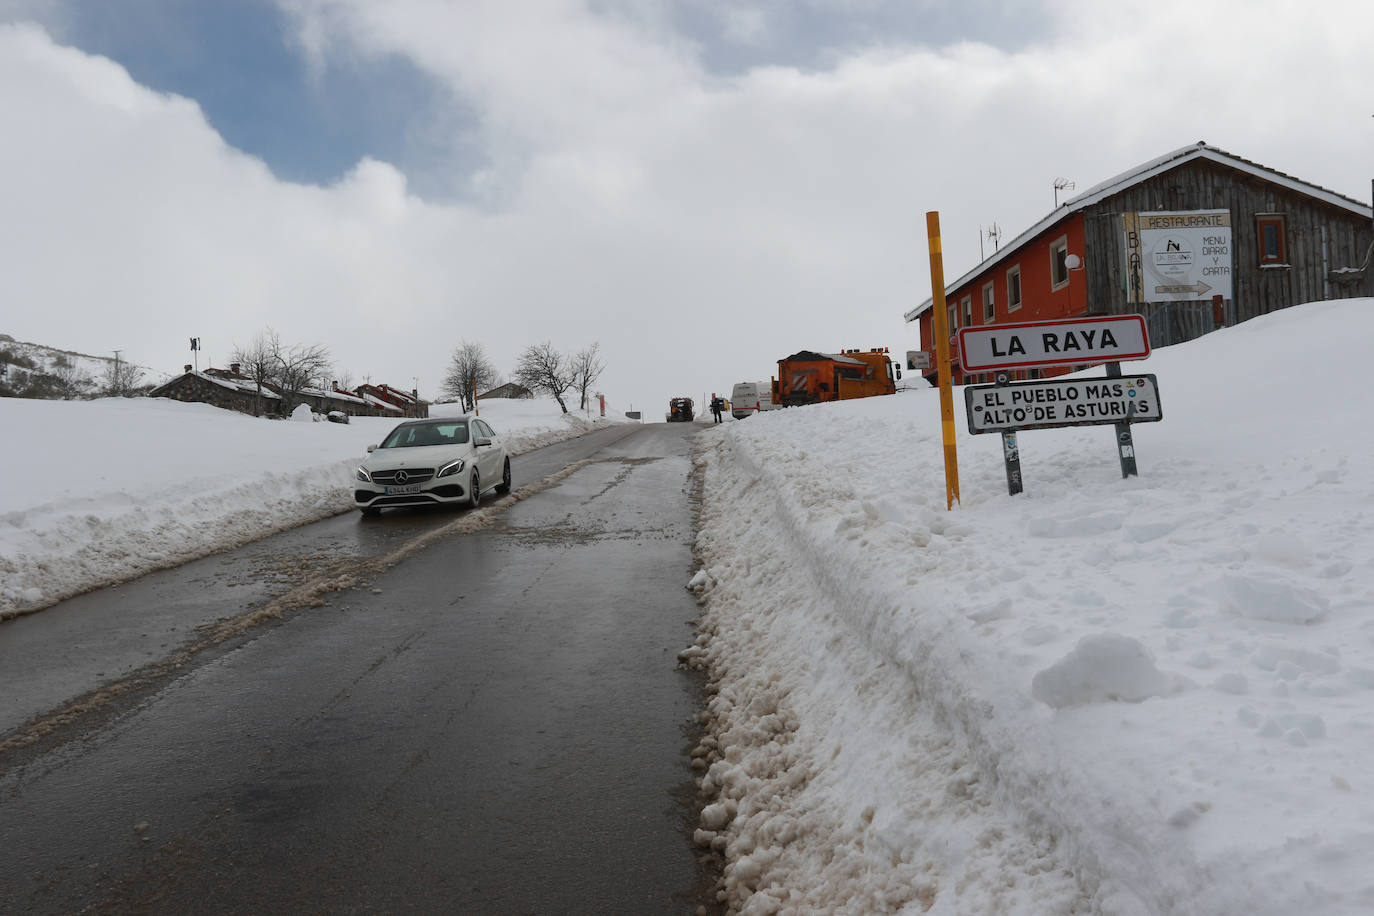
(496, 724)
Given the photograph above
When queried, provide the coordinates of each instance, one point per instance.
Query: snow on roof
(814, 356)
(378, 402)
(394, 392)
(333, 395)
(1142, 172)
(233, 384)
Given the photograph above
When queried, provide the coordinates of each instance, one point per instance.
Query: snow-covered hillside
(1143, 696)
(97, 492)
(75, 374)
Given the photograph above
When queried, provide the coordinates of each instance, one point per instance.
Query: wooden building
(1193, 240)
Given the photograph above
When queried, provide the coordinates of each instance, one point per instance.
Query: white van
(748, 398)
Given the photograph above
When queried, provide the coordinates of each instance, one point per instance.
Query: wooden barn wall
(1256, 290)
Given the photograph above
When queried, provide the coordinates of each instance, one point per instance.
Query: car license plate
(397, 491)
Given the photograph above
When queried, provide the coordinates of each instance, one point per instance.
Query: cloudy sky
(700, 186)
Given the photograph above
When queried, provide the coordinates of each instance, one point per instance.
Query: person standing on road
(717, 405)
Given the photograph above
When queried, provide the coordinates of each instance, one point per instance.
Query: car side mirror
(370, 449)
(481, 441)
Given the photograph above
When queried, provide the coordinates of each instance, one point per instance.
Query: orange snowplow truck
(809, 378)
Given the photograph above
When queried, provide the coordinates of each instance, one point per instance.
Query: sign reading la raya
(1177, 257)
(1068, 342)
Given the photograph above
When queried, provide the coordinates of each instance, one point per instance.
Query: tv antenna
(993, 232)
(1061, 184)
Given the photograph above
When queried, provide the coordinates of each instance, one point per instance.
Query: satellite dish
(1073, 261)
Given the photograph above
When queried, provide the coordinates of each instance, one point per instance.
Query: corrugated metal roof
(1147, 170)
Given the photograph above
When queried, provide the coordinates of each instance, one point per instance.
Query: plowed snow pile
(1141, 696)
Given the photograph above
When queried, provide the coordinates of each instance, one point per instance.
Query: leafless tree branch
(542, 368)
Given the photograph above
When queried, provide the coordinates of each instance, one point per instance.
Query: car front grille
(410, 499)
(412, 475)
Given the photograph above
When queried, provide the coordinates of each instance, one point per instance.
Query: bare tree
(469, 372)
(300, 367)
(586, 367)
(257, 362)
(286, 369)
(542, 368)
(121, 379)
(71, 383)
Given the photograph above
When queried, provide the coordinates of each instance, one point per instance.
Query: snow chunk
(1271, 599)
(715, 817)
(303, 414)
(1232, 682)
(1107, 666)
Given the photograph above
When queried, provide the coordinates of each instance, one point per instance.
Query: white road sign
(1062, 402)
(1068, 342)
(918, 359)
(1178, 256)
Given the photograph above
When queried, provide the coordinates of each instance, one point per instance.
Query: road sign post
(1011, 453)
(937, 283)
(1124, 443)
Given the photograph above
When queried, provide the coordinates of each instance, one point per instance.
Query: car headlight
(448, 470)
(363, 475)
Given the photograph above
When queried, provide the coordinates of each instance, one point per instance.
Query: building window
(953, 318)
(1273, 238)
(1059, 268)
(968, 311)
(989, 304)
(1014, 289)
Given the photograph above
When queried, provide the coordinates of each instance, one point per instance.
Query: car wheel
(370, 511)
(504, 485)
(474, 491)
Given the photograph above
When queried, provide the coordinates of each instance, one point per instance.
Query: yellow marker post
(940, 324)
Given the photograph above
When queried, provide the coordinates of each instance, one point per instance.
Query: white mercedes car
(432, 463)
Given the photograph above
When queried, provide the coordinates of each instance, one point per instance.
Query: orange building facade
(1036, 284)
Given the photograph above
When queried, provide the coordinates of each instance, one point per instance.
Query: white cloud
(700, 227)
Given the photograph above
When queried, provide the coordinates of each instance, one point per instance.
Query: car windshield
(420, 434)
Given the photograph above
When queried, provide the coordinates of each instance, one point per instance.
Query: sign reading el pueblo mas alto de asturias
(1050, 403)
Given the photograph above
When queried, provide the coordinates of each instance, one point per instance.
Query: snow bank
(98, 492)
(1145, 696)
